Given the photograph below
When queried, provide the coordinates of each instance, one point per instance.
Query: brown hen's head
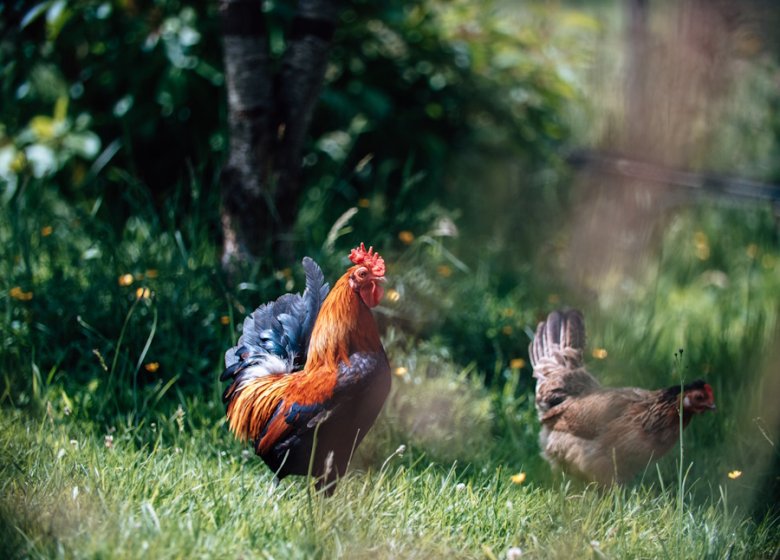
(368, 275)
(698, 397)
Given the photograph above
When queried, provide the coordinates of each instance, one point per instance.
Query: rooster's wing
(281, 417)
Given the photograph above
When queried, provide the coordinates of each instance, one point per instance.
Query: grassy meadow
(114, 441)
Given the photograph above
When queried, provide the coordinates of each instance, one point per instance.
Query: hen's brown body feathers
(598, 433)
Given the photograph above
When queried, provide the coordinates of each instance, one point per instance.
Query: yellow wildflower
(600, 353)
(401, 371)
(125, 279)
(151, 367)
(225, 320)
(393, 295)
(19, 294)
(444, 271)
(517, 363)
(364, 202)
(46, 231)
(518, 478)
(406, 237)
(151, 273)
(733, 475)
(143, 293)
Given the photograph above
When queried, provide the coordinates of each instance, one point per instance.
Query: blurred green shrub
(409, 85)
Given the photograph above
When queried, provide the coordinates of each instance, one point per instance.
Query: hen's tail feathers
(557, 358)
(559, 343)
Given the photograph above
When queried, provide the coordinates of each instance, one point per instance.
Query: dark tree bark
(269, 114)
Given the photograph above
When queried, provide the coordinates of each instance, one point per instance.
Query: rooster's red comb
(369, 258)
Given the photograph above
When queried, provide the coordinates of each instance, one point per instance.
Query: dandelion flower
(401, 371)
(735, 474)
(225, 320)
(143, 293)
(125, 279)
(406, 237)
(151, 367)
(517, 363)
(364, 202)
(444, 271)
(518, 478)
(600, 353)
(46, 231)
(151, 273)
(392, 295)
(19, 294)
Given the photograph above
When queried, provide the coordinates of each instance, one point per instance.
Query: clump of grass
(171, 493)
(435, 408)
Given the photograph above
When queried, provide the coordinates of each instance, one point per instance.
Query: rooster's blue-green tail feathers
(276, 335)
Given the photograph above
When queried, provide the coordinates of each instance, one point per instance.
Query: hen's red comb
(369, 258)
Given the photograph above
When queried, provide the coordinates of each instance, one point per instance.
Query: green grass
(74, 366)
(174, 491)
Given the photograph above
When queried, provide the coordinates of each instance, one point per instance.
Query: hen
(597, 433)
(309, 374)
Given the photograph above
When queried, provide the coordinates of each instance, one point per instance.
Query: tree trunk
(268, 115)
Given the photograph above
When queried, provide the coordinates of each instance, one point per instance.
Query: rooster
(597, 433)
(309, 374)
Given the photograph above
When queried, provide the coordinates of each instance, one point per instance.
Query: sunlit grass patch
(65, 492)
